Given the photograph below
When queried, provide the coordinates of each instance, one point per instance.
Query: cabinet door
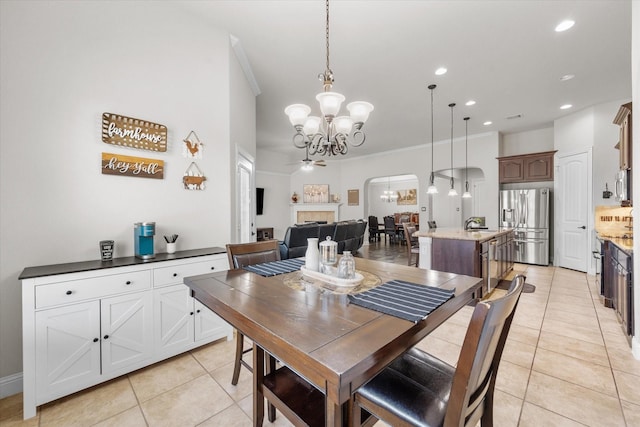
(67, 349)
(539, 168)
(173, 307)
(208, 325)
(511, 170)
(127, 331)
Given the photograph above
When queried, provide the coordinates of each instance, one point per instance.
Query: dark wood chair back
(242, 254)
(419, 389)
(475, 376)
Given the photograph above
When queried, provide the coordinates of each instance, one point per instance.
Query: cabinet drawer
(91, 288)
(172, 275)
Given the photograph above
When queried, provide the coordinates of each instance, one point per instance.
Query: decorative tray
(332, 280)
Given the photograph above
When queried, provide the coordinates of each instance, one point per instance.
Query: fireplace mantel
(329, 212)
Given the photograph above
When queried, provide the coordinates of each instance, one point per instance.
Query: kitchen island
(476, 252)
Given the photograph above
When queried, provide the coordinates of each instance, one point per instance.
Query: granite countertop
(460, 234)
(623, 244)
(75, 267)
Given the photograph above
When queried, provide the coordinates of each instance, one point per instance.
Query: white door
(572, 212)
(127, 331)
(245, 199)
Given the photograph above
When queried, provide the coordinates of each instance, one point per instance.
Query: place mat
(273, 268)
(405, 300)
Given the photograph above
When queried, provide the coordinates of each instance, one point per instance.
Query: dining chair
(241, 255)
(390, 228)
(413, 246)
(418, 389)
(374, 229)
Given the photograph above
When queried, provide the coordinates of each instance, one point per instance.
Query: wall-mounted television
(259, 200)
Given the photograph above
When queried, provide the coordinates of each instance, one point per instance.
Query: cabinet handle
(213, 268)
(96, 339)
(106, 337)
(191, 314)
(175, 274)
(198, 311)
(69, 292)
(128, 282)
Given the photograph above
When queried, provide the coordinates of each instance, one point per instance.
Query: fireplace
(312, 212)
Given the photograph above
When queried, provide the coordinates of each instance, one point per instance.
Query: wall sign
(116, 164)
(353, 197)
(135, 133)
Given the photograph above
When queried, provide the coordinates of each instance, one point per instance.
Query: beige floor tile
(154, 380)
(571, 300)
(590, 321)
(451, 332)
(233, 416)
(11, 406)
(216, 354)
(572, 331)
(15, 420)
(574, 347)
(506, 411)
(443, 350)
(535, 416)
(519, 353)
(623, 360)
(90, 406)
(563, 307)
(631, 413)
(628, 386)
(129, 418)
(237, 392)
(188, 404)
(573, 401)
(523, 334)
(596, 377)
(512, 379)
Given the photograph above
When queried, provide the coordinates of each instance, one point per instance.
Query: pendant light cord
(451, 106)
(327, 35)
(431, 180)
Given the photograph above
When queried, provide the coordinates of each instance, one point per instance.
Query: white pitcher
(312, 256)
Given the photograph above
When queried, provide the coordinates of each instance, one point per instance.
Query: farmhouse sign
(116, 164)
(135, 133)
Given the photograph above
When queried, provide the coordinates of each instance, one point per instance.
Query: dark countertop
(75, 267)
(480, 235)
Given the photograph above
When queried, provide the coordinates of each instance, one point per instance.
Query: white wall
(63, 64)
(379, 208)
(533, 141)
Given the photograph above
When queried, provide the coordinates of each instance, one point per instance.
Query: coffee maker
(143, 233)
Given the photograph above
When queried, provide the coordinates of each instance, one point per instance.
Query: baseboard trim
(10, 385)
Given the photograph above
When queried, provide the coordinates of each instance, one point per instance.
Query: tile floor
(566, 363)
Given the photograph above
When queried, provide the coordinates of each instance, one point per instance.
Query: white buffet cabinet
(88, 322)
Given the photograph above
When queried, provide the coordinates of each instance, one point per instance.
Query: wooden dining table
(333, 344)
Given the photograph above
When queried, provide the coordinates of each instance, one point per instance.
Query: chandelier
(330, 133)
(388, 195)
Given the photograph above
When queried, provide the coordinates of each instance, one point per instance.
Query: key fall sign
(117, 164)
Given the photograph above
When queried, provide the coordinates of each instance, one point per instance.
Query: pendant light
(466, 194)
(432, 189)
(452, 190)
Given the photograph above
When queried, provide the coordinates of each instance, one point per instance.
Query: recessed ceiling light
(470, 102)
(487, 123)
(564, 25)
(566, 106)
(567, 77)
(440, 71)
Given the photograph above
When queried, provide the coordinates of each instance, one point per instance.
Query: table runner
(273, 268)
(405, 300)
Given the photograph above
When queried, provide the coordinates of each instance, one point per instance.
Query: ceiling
(505, 55)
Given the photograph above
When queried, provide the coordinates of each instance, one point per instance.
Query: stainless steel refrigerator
(527, 212)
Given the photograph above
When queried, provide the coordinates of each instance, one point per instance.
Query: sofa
(348, 234)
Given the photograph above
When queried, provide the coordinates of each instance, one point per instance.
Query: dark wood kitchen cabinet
(526, 167)
(623, 119)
